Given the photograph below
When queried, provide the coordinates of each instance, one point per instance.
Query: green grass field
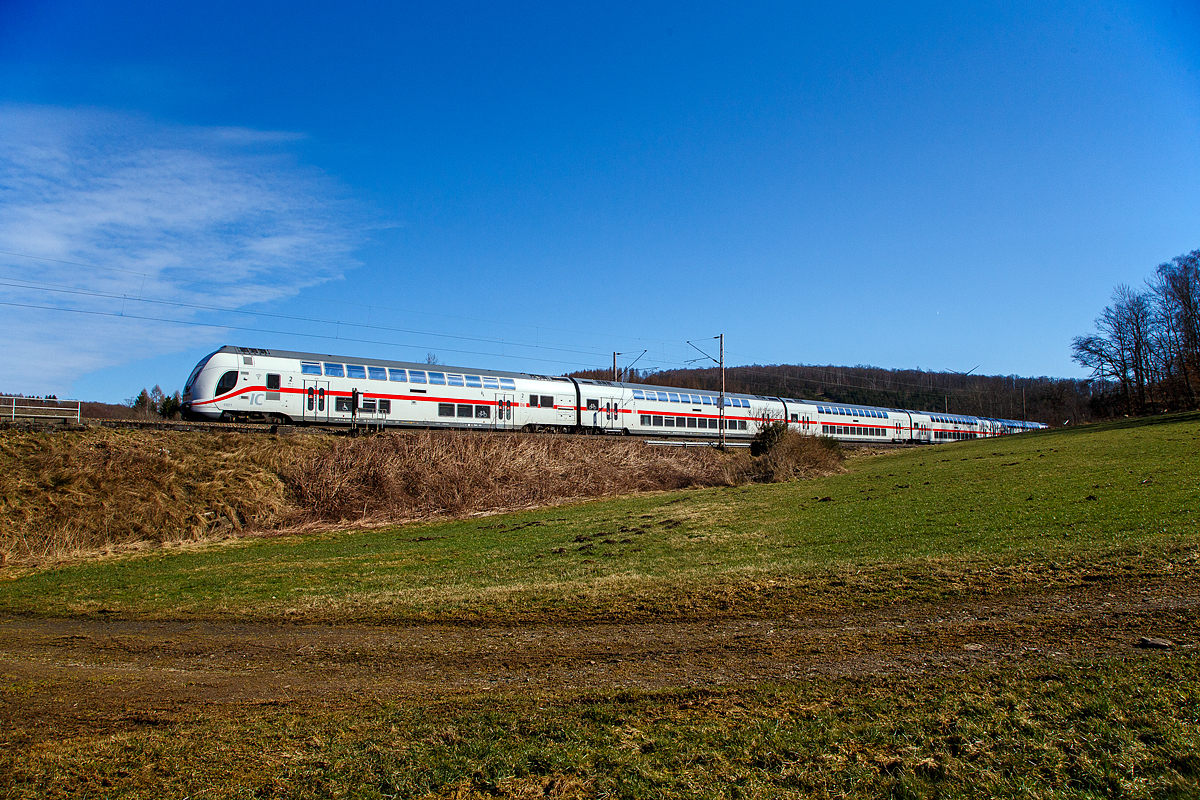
(919, 524)
(1020, 516)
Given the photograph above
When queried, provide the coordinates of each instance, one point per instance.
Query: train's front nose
(196, 402)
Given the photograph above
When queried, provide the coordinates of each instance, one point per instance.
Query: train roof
(382, 362)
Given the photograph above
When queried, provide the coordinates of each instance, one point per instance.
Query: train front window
(227, 382)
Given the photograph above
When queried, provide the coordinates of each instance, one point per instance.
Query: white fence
(14, 408)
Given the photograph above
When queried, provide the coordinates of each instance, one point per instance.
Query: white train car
(249, 384)
(238, 383)
(668, 411)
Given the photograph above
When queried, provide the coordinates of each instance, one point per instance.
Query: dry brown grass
(423, 473)
(797, 456)
(76, 493)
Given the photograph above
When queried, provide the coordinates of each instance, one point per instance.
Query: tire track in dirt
(64, 674)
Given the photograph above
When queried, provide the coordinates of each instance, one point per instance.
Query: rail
(14, 408)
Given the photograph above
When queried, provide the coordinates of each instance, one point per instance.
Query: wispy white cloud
(169, 203)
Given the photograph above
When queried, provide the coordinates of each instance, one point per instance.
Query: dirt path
(60, 675)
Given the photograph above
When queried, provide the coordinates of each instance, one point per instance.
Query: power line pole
(721, 363)
(614, 367)
(722, 422)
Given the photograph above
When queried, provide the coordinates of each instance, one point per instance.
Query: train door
(316, 401)
(612, 414)
(505, 407)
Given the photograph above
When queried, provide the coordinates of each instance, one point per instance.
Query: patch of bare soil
(59, 676)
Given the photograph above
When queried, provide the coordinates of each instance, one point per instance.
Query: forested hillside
(1054, 401)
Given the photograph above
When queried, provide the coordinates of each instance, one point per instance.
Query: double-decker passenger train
(250, 384)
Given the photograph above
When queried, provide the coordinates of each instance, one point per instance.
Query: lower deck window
(385, 406)
(483, 412)
(343, 404)
(465, 411)
(445, 409)
(645, 419)
(368, 405)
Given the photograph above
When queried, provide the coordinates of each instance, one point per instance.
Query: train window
(491, 383)
(507, 383)
(385, 406)
(309, 368)
(416, 376)
(673, 396)
(398, 375)
(706, 400)
(377, 373)
(483, 412)
(272, 381)
(342, 404)
(335, 371)
(547, 401)
(593, 405)
(681, 422)
(368, 405)
(227, 382)
(658, 421)
(645, 419)
(637, 395)
(691, 422)
(454, 380)
(474, 382)
(741, 424)
(445, 409)
(356, 371)
(466, 411)
(438, 378)
(652, 395)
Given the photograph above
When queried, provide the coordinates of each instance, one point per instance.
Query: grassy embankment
(990, 515)
(74, 494)
(1008, 516)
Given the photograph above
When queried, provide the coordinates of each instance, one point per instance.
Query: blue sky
(532, 187)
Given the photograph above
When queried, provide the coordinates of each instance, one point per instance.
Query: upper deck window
(356, 371)
(310, 368)
(377, 373)
(334, 370)
(474, 381)
(438, 378)
(416, 376)
(397, 375)
(490, 383)
(454, 380)
(638, 395)
(508, 383)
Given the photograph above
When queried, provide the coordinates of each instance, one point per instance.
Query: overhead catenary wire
(662, 362)
(299, 295)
